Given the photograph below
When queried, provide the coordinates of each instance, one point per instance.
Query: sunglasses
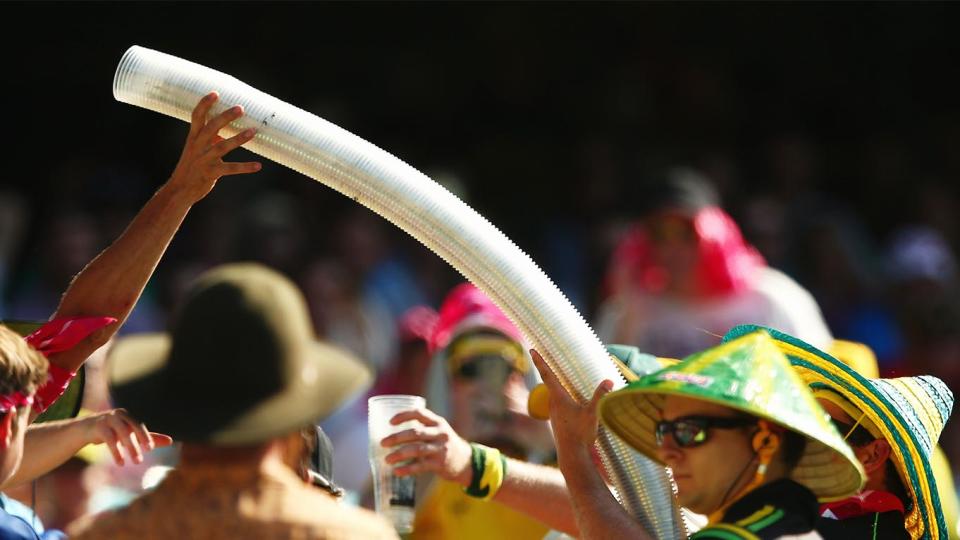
(494, 367)
(688, 431)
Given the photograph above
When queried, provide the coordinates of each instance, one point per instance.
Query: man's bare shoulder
(298, 513)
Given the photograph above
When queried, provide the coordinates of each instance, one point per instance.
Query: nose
(669, 452)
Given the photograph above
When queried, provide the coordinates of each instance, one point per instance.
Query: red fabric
(57, 336)
(63, 334)
(726, 265)
(16, 399)
(466, 305)
(863, 503)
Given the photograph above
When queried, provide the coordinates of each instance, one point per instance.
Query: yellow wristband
(492, 473)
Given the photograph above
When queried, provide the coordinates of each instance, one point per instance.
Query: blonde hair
(22, 368)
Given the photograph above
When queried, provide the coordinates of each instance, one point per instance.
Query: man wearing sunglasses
(745, 439)
(893, 426)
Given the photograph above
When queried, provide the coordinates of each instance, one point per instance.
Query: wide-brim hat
(241, 364)
(752, 376)
(67, 406)
(909, 412)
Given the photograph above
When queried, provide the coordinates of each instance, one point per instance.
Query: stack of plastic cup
(394, 495)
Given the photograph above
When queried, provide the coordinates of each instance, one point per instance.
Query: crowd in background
(841, 180)
(895, 292)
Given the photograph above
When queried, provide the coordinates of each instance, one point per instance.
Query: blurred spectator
(924, 285)
(271, 232)
(368, 250)
(407, 372)
(343, 315)
(684, 275)
(70, 240)
(480, 380)
(835, 258)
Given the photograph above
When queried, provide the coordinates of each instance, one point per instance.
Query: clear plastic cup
(395, 496)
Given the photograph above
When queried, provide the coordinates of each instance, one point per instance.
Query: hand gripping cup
(394, 495)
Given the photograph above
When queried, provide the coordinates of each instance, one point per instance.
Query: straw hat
(752, 376)
(240, 366)
(909, 412)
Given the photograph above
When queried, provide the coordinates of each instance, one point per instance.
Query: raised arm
(47, 446)
(113, 281)
(536, 490)
(598, 514)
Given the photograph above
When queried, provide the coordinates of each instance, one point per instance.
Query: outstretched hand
(574, 423)
(123, 435)
(201, 162)
(433, 446)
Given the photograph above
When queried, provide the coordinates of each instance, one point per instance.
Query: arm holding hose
(597, 512)
(113, 281)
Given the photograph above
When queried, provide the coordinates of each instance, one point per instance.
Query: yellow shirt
(448, 513)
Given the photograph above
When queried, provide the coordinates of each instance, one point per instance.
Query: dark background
(515, 97)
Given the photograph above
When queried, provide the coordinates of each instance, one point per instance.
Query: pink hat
(468, 308)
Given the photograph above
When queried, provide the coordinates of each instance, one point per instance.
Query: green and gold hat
(67, 405)
(750, 375)
(909, 412)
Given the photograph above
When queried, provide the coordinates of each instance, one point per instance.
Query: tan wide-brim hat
(241, 364)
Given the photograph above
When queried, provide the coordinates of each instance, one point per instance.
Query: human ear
(873, 455)
(6, 428)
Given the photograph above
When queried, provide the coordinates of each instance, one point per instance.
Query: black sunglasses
(690, 431)
(471, 368)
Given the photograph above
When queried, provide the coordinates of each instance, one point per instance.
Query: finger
(231, 168)
(132, 442)
(113, 444)
(223, 147)
(141, 435)
(424, 416)
(603, 389)
(135, 428)
(160, 440)
(219, 122)
(413, 435)
(412, 451)
(199, 116)
(545, 372)
(125, 433)
(418, 467)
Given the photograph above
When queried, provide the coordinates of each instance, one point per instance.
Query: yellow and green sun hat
(750, 375)
(909, 412)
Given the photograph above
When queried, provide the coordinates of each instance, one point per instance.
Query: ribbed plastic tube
(428, 212)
